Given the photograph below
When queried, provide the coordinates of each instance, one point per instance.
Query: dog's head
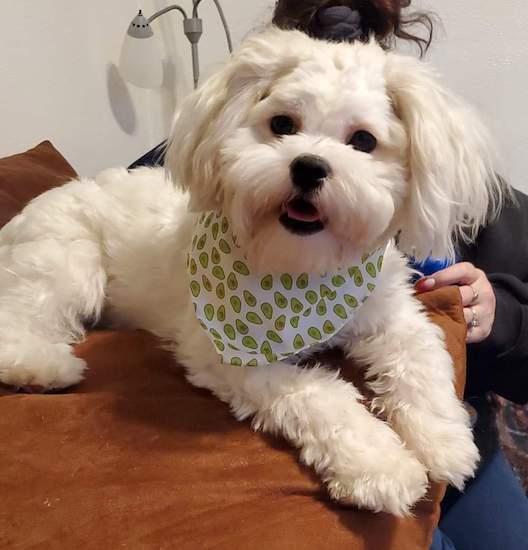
(319, 151)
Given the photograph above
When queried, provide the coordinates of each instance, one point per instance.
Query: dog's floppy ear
(454, 188)
(217, 108)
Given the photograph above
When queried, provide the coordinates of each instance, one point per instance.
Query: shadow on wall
(120, 100)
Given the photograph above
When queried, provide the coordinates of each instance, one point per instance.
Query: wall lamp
(141, 58)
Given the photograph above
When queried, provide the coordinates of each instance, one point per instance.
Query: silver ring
(475, 295)
(474, 322)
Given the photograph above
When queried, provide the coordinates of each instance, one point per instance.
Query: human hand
(478, 297)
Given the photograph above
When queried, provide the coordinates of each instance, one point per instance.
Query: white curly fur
(116, 247)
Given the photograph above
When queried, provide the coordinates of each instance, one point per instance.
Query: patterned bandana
(256, 319)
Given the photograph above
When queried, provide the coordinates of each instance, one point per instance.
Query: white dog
(305, 156)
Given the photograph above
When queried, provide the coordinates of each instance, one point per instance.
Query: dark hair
(382, 18)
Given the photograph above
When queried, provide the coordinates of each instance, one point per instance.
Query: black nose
(308, 172)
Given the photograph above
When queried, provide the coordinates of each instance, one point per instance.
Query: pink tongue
(304, 213)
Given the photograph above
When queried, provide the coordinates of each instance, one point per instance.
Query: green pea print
(338, 280)
(340, 311)
(267, 282)
(371, 269)
(321, 308)
(209, 312)
(236, 361)
(252, 363)
(195, 238)
(221, 314)
(252, 317)
(219, 345)
(267, 310)
(236, 303)
(225, 225)
(312, 297)
(208, 220)
(215, 230)
(250, 299)
(287, 281)
(302, 281)
(207, 283)
(280, 300)
(215, 256)
(371, 287)
(325, 292)
(280, 322)
(380, 263)
(201, 242)
(307, 312)
(218, 272)
(296, 305)
(249, 342)
(220, 291)
(315, 333)
(351, 301)
(294, 321)
(298, 342)
(193, 267)
(240, 268)
(266, 350)
(215, 334)
(274, 337)
(328, 327)
(241, 327)
(224, 247)
(232, 281)
(229, 331)
(204, 260)
(355, 273)
(195, 289)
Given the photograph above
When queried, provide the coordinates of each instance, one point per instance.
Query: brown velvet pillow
(135, 457)
(27, 175)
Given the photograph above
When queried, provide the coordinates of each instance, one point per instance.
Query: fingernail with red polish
(427, 283)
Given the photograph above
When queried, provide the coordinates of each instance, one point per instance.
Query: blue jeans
(492, 513)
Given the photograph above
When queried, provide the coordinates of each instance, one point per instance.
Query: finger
(424, 285)
(475, 335)
(468, 295)
(458, 274)
(469, 316)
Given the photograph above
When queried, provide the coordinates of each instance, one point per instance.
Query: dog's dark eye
(363, 141)
(283, 125)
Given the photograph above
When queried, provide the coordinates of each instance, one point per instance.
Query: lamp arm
(167, 9)
(196, 3)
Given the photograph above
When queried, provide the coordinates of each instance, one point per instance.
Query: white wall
(58, 78)
(482, 51)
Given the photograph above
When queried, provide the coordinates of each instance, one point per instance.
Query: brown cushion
(137, 458)
(27, 175)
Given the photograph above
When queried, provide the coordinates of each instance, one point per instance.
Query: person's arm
(498, 346)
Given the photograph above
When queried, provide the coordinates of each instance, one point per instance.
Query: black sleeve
(500, 363)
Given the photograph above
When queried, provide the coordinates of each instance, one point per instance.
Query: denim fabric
(492, 513)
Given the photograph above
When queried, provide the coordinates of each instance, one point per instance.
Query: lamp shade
(140, 62)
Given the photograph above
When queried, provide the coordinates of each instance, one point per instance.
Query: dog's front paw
(392, 488)
(452, 455)
(37, 364)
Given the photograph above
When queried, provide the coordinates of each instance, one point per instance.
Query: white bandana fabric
(256, 319)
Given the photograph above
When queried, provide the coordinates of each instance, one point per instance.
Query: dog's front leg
(411, 372)
(361, 458)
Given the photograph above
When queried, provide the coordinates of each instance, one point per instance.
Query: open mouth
(301, 217)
